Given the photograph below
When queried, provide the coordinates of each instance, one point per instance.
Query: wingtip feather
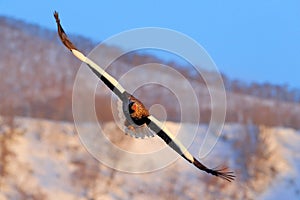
(63, 37)
(221, 172)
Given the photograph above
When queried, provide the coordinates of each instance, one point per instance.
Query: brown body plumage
(137, 108)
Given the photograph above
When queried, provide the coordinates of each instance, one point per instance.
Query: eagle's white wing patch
(133, 130)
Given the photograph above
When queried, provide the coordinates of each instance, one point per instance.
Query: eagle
(136, 113)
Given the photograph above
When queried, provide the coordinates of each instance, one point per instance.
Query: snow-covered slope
(287, 185)
(45, 160)
(28, 50)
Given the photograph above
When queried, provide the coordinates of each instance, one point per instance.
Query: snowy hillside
(29, 50)
(43, 159)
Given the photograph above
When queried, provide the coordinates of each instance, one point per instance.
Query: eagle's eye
(134, 106)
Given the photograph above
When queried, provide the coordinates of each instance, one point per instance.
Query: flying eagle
(135, 112)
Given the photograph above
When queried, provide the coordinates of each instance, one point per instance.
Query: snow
(287, 186)
(50, 162)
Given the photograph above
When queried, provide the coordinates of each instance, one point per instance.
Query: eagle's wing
(130, 128)
(103, 75)
(156, 126)
(153, 124)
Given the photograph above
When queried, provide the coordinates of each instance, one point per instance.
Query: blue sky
(252, 41)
